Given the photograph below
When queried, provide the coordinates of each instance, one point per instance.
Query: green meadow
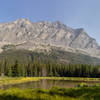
(55, 93)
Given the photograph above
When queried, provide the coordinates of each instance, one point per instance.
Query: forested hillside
(25, 63)
(55, 56)
(40, 69)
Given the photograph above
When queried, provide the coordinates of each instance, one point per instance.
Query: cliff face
(43, 35)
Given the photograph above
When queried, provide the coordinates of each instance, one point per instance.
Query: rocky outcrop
(24, 34)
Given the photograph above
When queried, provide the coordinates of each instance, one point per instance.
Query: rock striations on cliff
(23, 34)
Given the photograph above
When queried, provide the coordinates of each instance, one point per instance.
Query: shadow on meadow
(79, 93)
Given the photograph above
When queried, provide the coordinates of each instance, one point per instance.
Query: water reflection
(46, 84)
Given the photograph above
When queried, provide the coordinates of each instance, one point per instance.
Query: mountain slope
(23, 34)
(55, 56)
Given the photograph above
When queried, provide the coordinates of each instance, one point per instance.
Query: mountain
(55, 56)
(45, 36)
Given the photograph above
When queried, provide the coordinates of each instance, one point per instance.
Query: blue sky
(74, 13)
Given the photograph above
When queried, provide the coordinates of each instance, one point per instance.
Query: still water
(46, 84)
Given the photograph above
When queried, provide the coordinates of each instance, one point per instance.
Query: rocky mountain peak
(60, 25)
(42, 33)
(22, 22)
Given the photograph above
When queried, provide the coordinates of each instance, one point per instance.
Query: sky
(74, 13)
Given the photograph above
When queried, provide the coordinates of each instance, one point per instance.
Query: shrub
(82, 85)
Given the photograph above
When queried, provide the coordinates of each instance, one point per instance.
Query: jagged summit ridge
(27, 33)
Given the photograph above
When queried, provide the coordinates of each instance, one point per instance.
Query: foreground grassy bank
(56, 93)
(18, 80)
(81, 92)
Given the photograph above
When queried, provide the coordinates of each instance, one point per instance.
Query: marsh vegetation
(20, 88)
(55, 93)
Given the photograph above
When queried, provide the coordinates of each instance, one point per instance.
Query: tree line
(49, 69)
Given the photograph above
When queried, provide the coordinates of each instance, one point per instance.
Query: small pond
(46, 84)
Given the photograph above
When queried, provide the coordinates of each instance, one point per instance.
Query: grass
(17, 80)
(16, 94)
(55, 93)
(73, 79)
